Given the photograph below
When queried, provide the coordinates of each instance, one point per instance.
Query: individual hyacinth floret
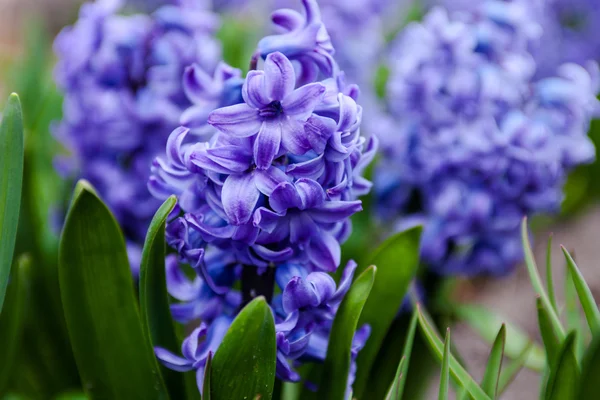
(266, 200)
(479, 142)
(122, 79)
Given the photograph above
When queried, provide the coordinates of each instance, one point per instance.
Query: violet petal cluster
(267, 171)
(479, 141)
(121, 77)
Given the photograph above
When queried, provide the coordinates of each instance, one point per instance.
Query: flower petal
(345, 282)
(302, 228)
(312, 168)
(266, 219)
(239, 120)
(178, 284)
(302, 101)
(318, 130)
(293, 136)
(197, 84)
(324, 252)
(287, 19)
(285, 196)
(267, 180)
(280, 77)
(323, 284)
(335, 211)
(267, 144)
(253, 90)
(172, 361)
(239, 196)
(272, 255)
(298, 293)
(311, 193)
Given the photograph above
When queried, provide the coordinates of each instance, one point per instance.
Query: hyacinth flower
(265, 200)
(121, 75)
(479, 140)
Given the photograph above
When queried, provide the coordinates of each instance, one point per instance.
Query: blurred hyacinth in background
(266, 198)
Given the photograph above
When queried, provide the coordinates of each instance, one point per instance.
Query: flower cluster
(479, 141)
(121, 75)
(266, 198)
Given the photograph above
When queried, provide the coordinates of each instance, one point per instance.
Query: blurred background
(27, 30)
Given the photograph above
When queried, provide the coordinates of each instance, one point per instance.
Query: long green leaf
(489, 384)
(337, 362)
(536, 281)
(457, 371)
(114, 357)
(589, 386)
(586, 298)
(154, 299)
(445, 375)
(397, 389)
(564, 374)
(509, 373)
(11, 182)
(12, 321)
(397, 260)
(244, 365)
(551, 342)
(487, 324)
(207, 377)
(549, 275)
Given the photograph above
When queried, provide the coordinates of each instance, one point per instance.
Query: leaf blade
(457, 371)
(564, 375)
(154, 300)
(397, 389)
(491, 376)
(388, 292)
(246, 371)
(445, 375)
(337, 361)
(100, 308)
(11, 183)
(590, 309)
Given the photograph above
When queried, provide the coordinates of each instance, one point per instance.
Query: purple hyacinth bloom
(121, 76)
(196, 348)
(479, 141)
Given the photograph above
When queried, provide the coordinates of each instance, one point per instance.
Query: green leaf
(586, 298)
(114, 357)
(489, 384)
(589, 386)
(207, 377)
(71, 396)
(564, 375)
(551, 342)
(536, 282)
(510, 372)
(487, 324)
(11, 182)
(397, 389)
(457, 371)
(337, 363)
(154, 299)
(244, 365)
(445, 375)
(12, 321)
(549, 277)
(397, 260)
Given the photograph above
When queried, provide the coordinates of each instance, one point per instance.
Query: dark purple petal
(172, 361)
(280, 77)
(195, 116)
(302, 228)
(178, 284)
(253, 91)
(190, 344)
(233, 158)
(289, 323)
(239, 120)
(298, 293)
(267, 180)
(312, 168)
(267, 143)
(246, 233)
(324, 252)
(266, 219)
(318, 131)
(196, 83)
(336, 211)
(302, 101)
(323, 284)
(311, 193)
(345, 282)
(239, 196)
(272, 255)
(285, 196)
(174, 143)
(293, 137)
